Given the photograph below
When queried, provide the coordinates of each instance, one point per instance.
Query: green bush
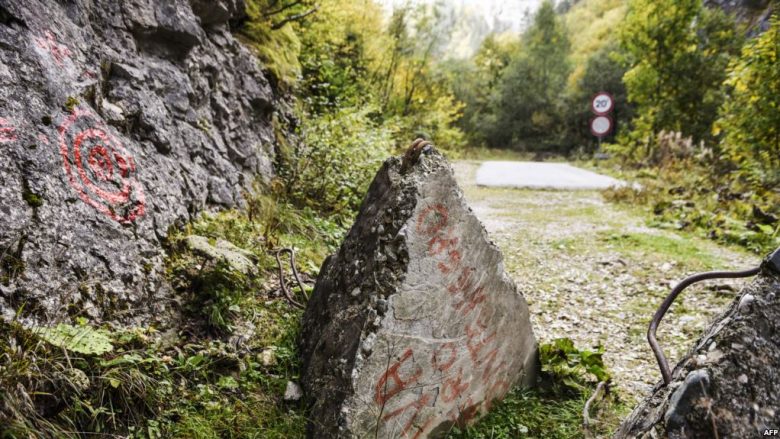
(330, 172)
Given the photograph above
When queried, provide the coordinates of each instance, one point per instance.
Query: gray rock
(727, 385)
(292, 392)
(449, 333)
(236, 258)
(118, 120)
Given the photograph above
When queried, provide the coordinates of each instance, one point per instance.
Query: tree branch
(296, 17)
(282, 9)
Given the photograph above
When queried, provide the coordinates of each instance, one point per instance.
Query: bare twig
(597, 395)
(282, 9)
(297, 277)
(295, 17)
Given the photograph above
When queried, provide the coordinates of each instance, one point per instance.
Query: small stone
(355, 292)
(746, 300)
(268, 357)
(742, 379)
(293, 392)
(368, 343)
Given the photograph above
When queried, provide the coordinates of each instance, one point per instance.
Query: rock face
(118, 119)
(728, 385)
(413, 325)
(755, 13)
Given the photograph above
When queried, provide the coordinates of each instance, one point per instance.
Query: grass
(661, 248)
(554, 409)
(528, 413)
(483, 153)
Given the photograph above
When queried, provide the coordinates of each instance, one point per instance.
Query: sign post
(602, 124)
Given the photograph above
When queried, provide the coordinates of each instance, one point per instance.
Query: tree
(677, 51)
(750, 118)
(475, 83)
(530, 96)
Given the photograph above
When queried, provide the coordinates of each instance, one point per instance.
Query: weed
(32, 199)
(71, 103)
(554, 408)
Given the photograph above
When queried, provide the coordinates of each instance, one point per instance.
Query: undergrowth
(689, 196)
(220, 372)
(554, 409)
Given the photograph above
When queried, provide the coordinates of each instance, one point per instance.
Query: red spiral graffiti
(100, 169)
(7, 131)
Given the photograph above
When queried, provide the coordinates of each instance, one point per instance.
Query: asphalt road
(538, 175)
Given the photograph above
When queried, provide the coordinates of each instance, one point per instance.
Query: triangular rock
(413, 325)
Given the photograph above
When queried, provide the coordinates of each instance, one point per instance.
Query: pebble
(293, 392)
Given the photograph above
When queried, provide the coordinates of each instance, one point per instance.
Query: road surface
(540, 175)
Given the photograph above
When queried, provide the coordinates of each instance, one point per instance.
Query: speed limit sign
(601, 126)
(602, 104)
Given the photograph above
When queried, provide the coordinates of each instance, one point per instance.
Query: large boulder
(728, 385)
(413, 325)
(118, 119)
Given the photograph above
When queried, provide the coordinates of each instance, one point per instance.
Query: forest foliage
(696, 100)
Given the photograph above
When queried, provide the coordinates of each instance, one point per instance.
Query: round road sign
(601, 126)
(602, 104)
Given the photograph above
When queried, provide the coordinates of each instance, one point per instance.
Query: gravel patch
(595, 272)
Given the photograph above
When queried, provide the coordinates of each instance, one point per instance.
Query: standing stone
(728, 385)
(413, 325)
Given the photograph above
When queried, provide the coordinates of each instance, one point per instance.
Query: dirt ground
(595, 272)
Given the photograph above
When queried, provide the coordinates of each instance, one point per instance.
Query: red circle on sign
(601, 126)
(600, 108)
(100, 169)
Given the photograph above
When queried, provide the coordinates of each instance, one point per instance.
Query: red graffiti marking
(431, 227)
(386, 390)
(7, 131)
(100, 169)
(468, 412)
(453, 355)
(476, 342)
(470, 300)
(496, 392)
(453, 387)
(491, 369)
(50, 44)
(483, 357)
(416, 406)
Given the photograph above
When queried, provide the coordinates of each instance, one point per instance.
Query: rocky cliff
(118, 119)
(754, 13)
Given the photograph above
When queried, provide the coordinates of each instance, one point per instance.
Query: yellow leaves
(716, 129)
(740, 86)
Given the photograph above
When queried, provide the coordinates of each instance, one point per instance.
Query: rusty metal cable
(663, 363)
(282, 286)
